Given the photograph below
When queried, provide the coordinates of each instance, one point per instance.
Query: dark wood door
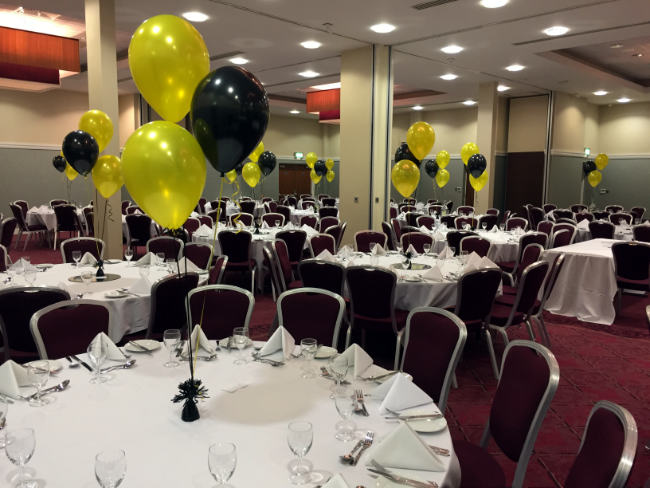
(294, 178)
(524, 180)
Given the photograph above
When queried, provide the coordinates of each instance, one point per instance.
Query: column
(487, 141)
(102, 95)
(366, 123)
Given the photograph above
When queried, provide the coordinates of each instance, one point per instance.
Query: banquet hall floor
(596, 362)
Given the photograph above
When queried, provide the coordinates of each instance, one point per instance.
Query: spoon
(125, 365)
(60, 387)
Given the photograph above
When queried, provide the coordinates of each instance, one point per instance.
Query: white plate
(115, 294)
(325, 352)
(148, 343)
(428, 425)
(413, 279)
(44, 266)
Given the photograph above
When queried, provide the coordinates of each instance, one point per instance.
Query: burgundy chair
(397, 229)
(631, 267)
(237, 246)
(490, 221)
(344, 226)
(206, 220)
(492, 211)
(90, 223)
(326, 223)
(4, 259)
(311, 312)
(83, 244)
(336, 231)
(475, 244)
(24, 206)
(546, 226)
(199, 253)
(125, 204)
(433, 342)
(560, 238)
(465, 210)
(216, 273)
(273, 206)
(58, 201)
(530, 238)
(245, 219)
(507, 215)
(171, 247)
(417, 240)
(267, 199)
(390, 236)
(562, 213)
(637, 213)
(620, 218)
(271, 267)
(435, 209)
(535, 216)
(640, 232)
(607, 449)
(328, 212)
(286, 212)
(449, 221)
(139, 230)
(291, 201)
(273, 219)
(613, 209)
(17, 305)
(578, 207)
(322, 274)
(426, 221)
(168, 304)
(309, 220)
(461, 222)
(285, 275)
(600, 215)
(412, 218)
(454, 237)
(248, 206)
(570, 226)
(531, 253)
(409, 201)
(549, 207)
(601, 230)
(7, 229)
(219, 215)
(295, 240)
(133, 209)
(516, 222)
(219, 309)
(200, 206)
(328, 201)
(392, 213)
(191, 225)
(528, 381)
(320, 242)
(406, 207)
(67, 220)
(307, 204)
(365, 240)
(67, 327)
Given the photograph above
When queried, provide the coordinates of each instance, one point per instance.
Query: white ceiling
(268, 32)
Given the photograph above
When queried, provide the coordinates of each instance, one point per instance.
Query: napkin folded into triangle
(473, 260)
(404, 449)
(141, 287)
(487, 263)
(425, 229)
(87, 260)
(147, 259)
(309, 230)
(433, 274)
(12, 377)
(21, 265)
(400, 393)
(336, 481)
(412, 251)
(33, 209)
(378, 250)
(345, 251)
(447, 253)
(190, 267)
(583, 224)
(494, 229)
(438, 236)
(112, 351)
(204, 230)
(204, 343)
(280, 344)
(265, 225)
(325, 255)
(357, 358)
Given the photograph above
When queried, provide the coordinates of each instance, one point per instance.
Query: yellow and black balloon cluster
(592, 169)
(319, 168)
(475, 164)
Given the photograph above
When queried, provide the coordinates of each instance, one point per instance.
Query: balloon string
(235, 221)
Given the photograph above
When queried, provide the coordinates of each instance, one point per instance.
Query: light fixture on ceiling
(382, 28)
(239, 60)
(469, 102)
(502, 88)
(294, 111)
(601, 93)
(417, 107)
(452, 49)
(616, 46)
(623, 100)
(637, 55)
(195, 16)
(308, 73)
(448, 77)
(311, 44)
(556, 30)
(515, 67)
(493, 3)
(326, 86)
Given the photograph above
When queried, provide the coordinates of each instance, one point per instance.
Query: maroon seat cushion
(500, 314)
(478, 469)
(509, 290)
(507, 266)
(295, 284)
(632, 284)
(509, 300)
(243, 265)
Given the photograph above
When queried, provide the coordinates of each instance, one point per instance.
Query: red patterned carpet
(596, 363)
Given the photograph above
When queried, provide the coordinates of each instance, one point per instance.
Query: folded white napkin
(191, 267)
(141, 287)
(473, 260)
(345, 251)
(412, 250)
(443, 227)
(425, 229)
(378, 250)
(447, 253)
(204, 230)
(87, 260)
(360, 359)
(204, 343)
(404, 449)
(494, 229)
(583, 224)
(400, 393)
(147, 259)
(289, 226)
(112, 351)
(21, 265)
(336, 481)
(44, 208)
(194, 214)
(33, 209)
(433, 274)
(325, 255)
(401, 216)
(281, 342)
(265, 225)
(487, 263)
(438, 236)
(13, 376)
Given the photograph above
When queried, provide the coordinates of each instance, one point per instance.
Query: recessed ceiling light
(556, 30)
(308, 73)
(469, 102)
(449, 77)
(195, 16)
(327, 86)
(616, 46)
(623, 100)
(294, 111)
(382, 28)
(238, 60)
(600, 93)
(311, 44)
(515, 67)
(502, 88)
(417, 107)
(493, 3)
(452, 49)
(637, 55)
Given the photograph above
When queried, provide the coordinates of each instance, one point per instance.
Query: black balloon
(59, 163)
(80, 150)
(403, 152)
(267, 161)
(239, 168)
(476, 164)
(319, 168)
(588, 167)
(431, 167)
(230, 113)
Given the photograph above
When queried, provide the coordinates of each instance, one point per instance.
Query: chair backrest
(320, 242)
(390, 236)
(133, 209)
(281, 255)
(562, 213)
(417, 240)
(409, 201)
(248, 206)
(412, 218)
(139, 227)
(536, 215)
(637, 213)
(85, 245)
(310, 220)
(551, 279)
(67, 327)
(58, 201)
(365, 240)
(24, 206)
(546, 226)
(613, 208)
(273, 219)
(532, 238)
(199, 253)
(311, 312)
(528, 288)
(286, 211)
(4, 259)
(631, 260)
(449, 221)
(392, 212)
(235, 245)
(465, 210)
(125, 204)
(66, 217)
(397, 228)
(171, 247)
(530, 254)
(433, 342)
(168, 297)
(475, 244)
(315, 273)
(306, 204)
(327, 222)
(206, 220)
(600, 215)
(601, 230)
(493, 211)
(490, 221)
(528, 381)
(426, 221)
(344, 226)
(220, 308)
(549, 207)
(620, 217)
(328, 201)
(560, 238)
(435, 209)
(372, 292)
(191, 225)
(7, 229)
(475, 294)
(295, 240)
(578, 207)
(216, 273)
(336, 231)
(454, 237)
(242, 218)
(516, 222)
(641, 232)
(328, 212)
(589, 217)
(462, 221)
(90, 223)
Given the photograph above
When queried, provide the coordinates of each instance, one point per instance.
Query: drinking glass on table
(110, 468)
(345, 403)
(464, 255)
(171, 339)
(38, 372)
(97, 355)
(502, 227)
(308, 348)
(426, 248)
(300, 437)
(222, 461)
(30, 276)
(240, 340)
(128, 255)
(4, 407)
(484, 225)
(86, 277)
(338, 366)
(76, 257)
(160, 259)
(19, 447)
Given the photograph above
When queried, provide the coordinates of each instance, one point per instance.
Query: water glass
(338, 366)
(110, 468)
(240, 340)
(484, 225)
(97, 354)
(502, 227)
(374, 260)
(222, 461)
(4, 407)
(160, 259)
(76, 257)
(38, 372)
(19, 447)
(30, 276)
(128, 255)
(86, 278)
(308, 347)
(171, 339)
(426, 248)
(345, 403)
(300, 437)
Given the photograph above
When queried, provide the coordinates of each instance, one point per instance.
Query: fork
(382, 471)
(367, 442)
(360, 402)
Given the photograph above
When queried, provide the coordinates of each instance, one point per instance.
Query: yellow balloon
(70, 172)
(594, 178)
(480, 182)
(164, 171)
(107, 175)
(468, 150)
(442, 177)
(251, 173)
(257, 152)
(315, 178)
(420, 139)
(405, 176)
(310, 159)
(168, 58)
(329, 176)
(442, 158)
(601, 161)
(99, 125)
(231, 175)
(329, 164)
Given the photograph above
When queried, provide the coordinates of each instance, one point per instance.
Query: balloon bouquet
(319, 168)
(592, 169)
(475, 164)
(405, 174)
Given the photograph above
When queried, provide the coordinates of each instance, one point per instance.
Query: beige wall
(625, 129)
(527, 124)
(286, 135)
(575, 124)
(502, 125)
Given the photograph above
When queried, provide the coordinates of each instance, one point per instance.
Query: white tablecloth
(232, 208)
(133, 411)
(296, 215)
(621, 233)
(586, 285)
(46, 216)
(505, 245)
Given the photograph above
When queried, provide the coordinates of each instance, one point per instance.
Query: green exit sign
(587, 151)
(298, 155)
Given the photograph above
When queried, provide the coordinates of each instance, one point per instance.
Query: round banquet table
(133, 411)
(505, 244)
(45, 215)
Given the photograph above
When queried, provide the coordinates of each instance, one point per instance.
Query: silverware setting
(125, 365)
(84, 364)
(60, 387)
(199, 357)
(378, 377)
(264, 359)
(6, 399)
(395, 478)
(349, 458)
(326, 374)
(431, 416)
(140, 347)
(440, 451)
(361, 406)
(73, 364)
(367, 442)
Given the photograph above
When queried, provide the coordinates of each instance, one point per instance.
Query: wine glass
(19, 447)
(86, 278)
(30, 276)
(222, 461)
(240, 339)
(38, 372)
(110, 468)
(484, 226)
(4, 407)
(426, 248)
(76, 257)
(338, 365)
(308, 347)
(171, 339)
(345, 403)
(300, 437)
(97, 354)
(128, 255)
(160, 259)
(502, 227)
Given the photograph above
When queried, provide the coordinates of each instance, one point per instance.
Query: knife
(403, 481)
(414, 417)
(141, 348)
(84, 364)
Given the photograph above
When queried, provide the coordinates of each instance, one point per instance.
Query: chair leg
(529, 326)
(55, 236)
(253, 281)
(20, 234)
(619, 300)
(541, 325)
(29, 235)
(493, 359)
